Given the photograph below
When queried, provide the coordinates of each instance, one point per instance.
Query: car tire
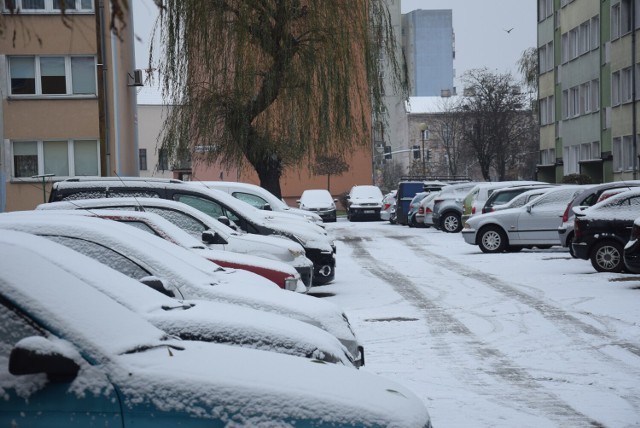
(492, 239)
(451, 223)
(607, 256)
(412, 222)
(570, 242)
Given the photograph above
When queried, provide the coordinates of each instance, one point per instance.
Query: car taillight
(428, 210)
(577, 229)
(565, 216)
(473, 210)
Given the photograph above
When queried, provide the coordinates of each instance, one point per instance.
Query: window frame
(49, 8)
(68, 76)
(40, 153)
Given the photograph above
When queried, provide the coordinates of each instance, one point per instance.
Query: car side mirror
(37, 354)
(212, 238)
(267, 207)
(158, 285)
(224, 220)
(529, 208)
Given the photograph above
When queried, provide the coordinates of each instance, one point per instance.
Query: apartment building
(68, 104)
(588, 93)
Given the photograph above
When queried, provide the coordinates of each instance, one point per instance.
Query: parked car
(319, 201)
(72, 356)
(283, 275)
(522, 199)
(602, 231)
(407, 189)
(139, 254)
(424, 216)
(447, 207)
(258, 197)
(586, 198)
(219, 205)
(632, 249)
(506, 194)
(201, 226)
(388, 211)
(364, 202)
(474, 200)
(534, 224)
(414, 207)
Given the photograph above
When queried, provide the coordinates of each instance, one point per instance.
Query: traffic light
(387, 152)
(416, 152)
(428, 154)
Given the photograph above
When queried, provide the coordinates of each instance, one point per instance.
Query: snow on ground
(529, 339)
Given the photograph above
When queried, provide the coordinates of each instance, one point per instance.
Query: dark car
(586, 198)
(407, 189)
(219, 205)
(632, 249)
(602, 231)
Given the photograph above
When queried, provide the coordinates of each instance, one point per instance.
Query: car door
(539, 221)
(36, 401)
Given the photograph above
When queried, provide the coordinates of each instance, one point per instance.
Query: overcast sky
(479, 27)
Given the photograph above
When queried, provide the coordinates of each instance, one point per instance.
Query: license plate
(369, 211)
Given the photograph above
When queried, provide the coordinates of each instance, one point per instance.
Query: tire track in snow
(495, 369)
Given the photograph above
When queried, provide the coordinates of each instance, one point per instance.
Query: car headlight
(296, 253)
(291, 284)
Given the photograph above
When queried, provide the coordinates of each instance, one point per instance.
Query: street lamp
(423, 133)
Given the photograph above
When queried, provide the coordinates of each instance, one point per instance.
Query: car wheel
(412, 222)
(451, 223)
(607, 256)
(492, 239)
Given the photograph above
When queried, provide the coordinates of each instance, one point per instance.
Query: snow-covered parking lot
(529, 339)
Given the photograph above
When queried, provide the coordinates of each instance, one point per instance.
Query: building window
(163, 161)
(547, 111)
(49, 6)
(142, 154)
(548, 157)
(545, 58)
(615, 88)
(62, 158)
(52, 75)
(545, 9)
(621, 18)
(595, 95)
(595, 32)
(623, 153)
(625, 85)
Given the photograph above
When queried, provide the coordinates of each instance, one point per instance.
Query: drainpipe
(103, 86)
(634, 102)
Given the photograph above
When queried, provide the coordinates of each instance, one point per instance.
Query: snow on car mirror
(212, 238)
(267, 207)
(224, 220)
(37, 354)
(157, 284)
(529, 208)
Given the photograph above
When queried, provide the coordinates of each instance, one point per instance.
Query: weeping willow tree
(273, 83)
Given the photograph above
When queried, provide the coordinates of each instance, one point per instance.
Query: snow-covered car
(319, 248)
(602, 231)
(522, 199)
(364, 201)
(196, 223)
(476, 197)
(140, 254)
(388, 211)
(319, 201)
(72, 356)
(532, 225)
(285, 276)
(585, 199)
(446, 212)
(259, 197)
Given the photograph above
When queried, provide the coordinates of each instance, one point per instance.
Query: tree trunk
(269, 173)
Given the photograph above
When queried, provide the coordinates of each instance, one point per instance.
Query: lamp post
(423, 134)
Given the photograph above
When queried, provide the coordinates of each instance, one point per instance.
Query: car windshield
(366, 192)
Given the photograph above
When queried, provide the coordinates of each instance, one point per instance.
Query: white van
(258, 197)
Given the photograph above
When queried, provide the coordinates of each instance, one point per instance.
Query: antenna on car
(140, 207)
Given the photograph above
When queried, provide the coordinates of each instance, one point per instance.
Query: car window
(558, 197)
(139, 225)
(13, 328)
(254, 200)
(137, 193)
(207, 206)
(91, 194)
(623, 203)
(104, 255)
(184, 221)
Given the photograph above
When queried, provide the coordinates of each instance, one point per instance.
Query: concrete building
(588, 89)
(429, 46)
(68, 103)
